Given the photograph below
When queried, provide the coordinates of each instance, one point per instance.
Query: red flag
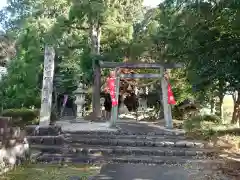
(112, 93)
(110, 83)
(171, 99)
(111, 87)
(114, 102)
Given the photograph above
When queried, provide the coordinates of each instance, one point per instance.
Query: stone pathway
(164, 172)
(143, 172)
(134, 151)
(73, 126)
(144, 127)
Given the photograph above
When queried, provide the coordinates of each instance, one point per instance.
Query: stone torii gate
(130, 65)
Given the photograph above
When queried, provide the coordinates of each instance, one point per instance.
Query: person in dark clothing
(131, 101)
(108, 104)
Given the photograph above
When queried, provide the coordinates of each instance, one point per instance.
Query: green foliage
(22, 116)
(193, 124)
(7, 49)
(20, 87)
(65, 25)
(196, 122)
(182, 114)
(212, 118)
(200, 34)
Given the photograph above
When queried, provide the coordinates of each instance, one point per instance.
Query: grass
(223, 136)
(48, 172)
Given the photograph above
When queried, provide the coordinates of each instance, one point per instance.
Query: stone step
(150, 151)
(51, 130)
(160, 160)
(46, 140)
(160, 142)
(110, 136)
(122, 132)
(49, 148)
(73, 158)
(138, 141)
(119, 150)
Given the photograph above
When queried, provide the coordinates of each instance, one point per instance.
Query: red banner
(111, 87)
(171, 99)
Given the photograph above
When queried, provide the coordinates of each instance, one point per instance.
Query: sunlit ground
(49, 172)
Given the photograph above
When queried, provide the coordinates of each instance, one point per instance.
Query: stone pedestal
(80, 94)
(142, 104)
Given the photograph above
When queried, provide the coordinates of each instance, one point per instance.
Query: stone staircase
(97, 147)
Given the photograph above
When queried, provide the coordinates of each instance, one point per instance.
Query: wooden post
(95, 34)
(47, 86)
(166, 107)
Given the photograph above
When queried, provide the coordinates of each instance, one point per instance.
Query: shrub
(177, 114)
(182, 114)
(211, 118)
(193, 123)
(22, 116)
(201, 125)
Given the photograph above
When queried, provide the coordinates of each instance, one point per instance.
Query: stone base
(92, 117)
(79, 120)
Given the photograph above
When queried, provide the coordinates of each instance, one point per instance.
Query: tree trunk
(219, 109)
(221, 96)
(236, 110)
(95, 47)
(212, 105)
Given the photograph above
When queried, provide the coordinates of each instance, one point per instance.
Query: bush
(182, 114)
(22, 116)
(177, 114)
(201, 126)
(195, 123)
(211, 118)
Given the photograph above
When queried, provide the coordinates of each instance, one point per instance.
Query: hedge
(22, 116)
(25, 116)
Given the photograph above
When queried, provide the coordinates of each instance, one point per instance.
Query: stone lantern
(103, 113)
(142, 101)
(80, 94)
(141, 92)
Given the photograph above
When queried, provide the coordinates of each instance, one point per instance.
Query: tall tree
(7, 48)
(97, 15)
